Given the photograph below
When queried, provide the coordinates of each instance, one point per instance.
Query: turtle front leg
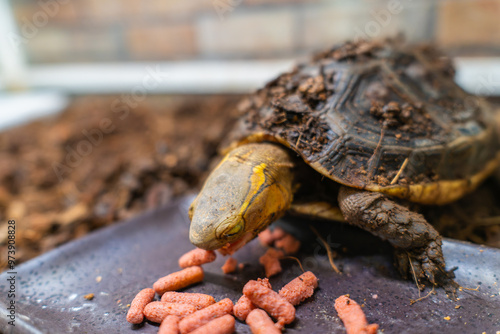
(417, 243)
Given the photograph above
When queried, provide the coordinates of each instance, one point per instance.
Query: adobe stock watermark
(121, 108)
(30, 27)
(381, 19)
(222, 7)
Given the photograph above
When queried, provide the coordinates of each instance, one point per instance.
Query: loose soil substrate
(162, 148)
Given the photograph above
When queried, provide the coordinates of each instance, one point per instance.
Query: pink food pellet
(266, 237)
(169, 325)
(196, 257)
(261, 323)
(221, 325)
(289, 244)
(269, 300)
(299, 288)
(198, 300)
(229, 266)
(179, 280)
(157, 311)
(204, 316)
(270, 261)
(353, 316)
(135, 313)
(244, 306)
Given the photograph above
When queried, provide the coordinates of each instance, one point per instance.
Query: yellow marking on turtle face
(250, 188)
(257, 180)
(269, 199)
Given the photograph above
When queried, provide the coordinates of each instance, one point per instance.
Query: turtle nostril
(207, 244)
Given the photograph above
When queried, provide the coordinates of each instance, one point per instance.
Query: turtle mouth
(231, 247)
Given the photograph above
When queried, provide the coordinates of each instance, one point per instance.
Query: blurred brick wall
(135, 30)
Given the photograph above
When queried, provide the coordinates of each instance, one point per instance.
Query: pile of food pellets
(260, 307)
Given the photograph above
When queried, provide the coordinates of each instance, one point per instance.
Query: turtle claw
(418, 245)
(426, 266)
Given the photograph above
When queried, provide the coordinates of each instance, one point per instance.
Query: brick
(417, 21)
(68, 12)
(58, 40)
(57, 12)
(161, 42)
(326, 25)
(465, 23)
(72, 45)
(101, 11)
(22, 10)
(93, 45)
(135, 9)
(175, 8)
(239, 33)
(278, 2)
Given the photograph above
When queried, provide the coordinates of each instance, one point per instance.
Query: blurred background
(74, 45)
(109, 108)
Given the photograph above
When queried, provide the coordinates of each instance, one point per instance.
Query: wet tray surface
(116, 262)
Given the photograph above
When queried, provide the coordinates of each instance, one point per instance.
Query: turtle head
(248, 190)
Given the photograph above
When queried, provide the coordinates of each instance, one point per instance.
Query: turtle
(357, 134)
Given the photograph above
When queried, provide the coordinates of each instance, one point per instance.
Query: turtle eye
(234, 230)
(230, 227)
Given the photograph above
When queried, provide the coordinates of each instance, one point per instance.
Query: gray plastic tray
(130, 256)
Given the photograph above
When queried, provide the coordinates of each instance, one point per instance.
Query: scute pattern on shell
(356, 112)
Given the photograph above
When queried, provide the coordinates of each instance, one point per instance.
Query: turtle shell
(379, 116)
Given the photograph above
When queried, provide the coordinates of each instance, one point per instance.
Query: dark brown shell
(358, 111)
